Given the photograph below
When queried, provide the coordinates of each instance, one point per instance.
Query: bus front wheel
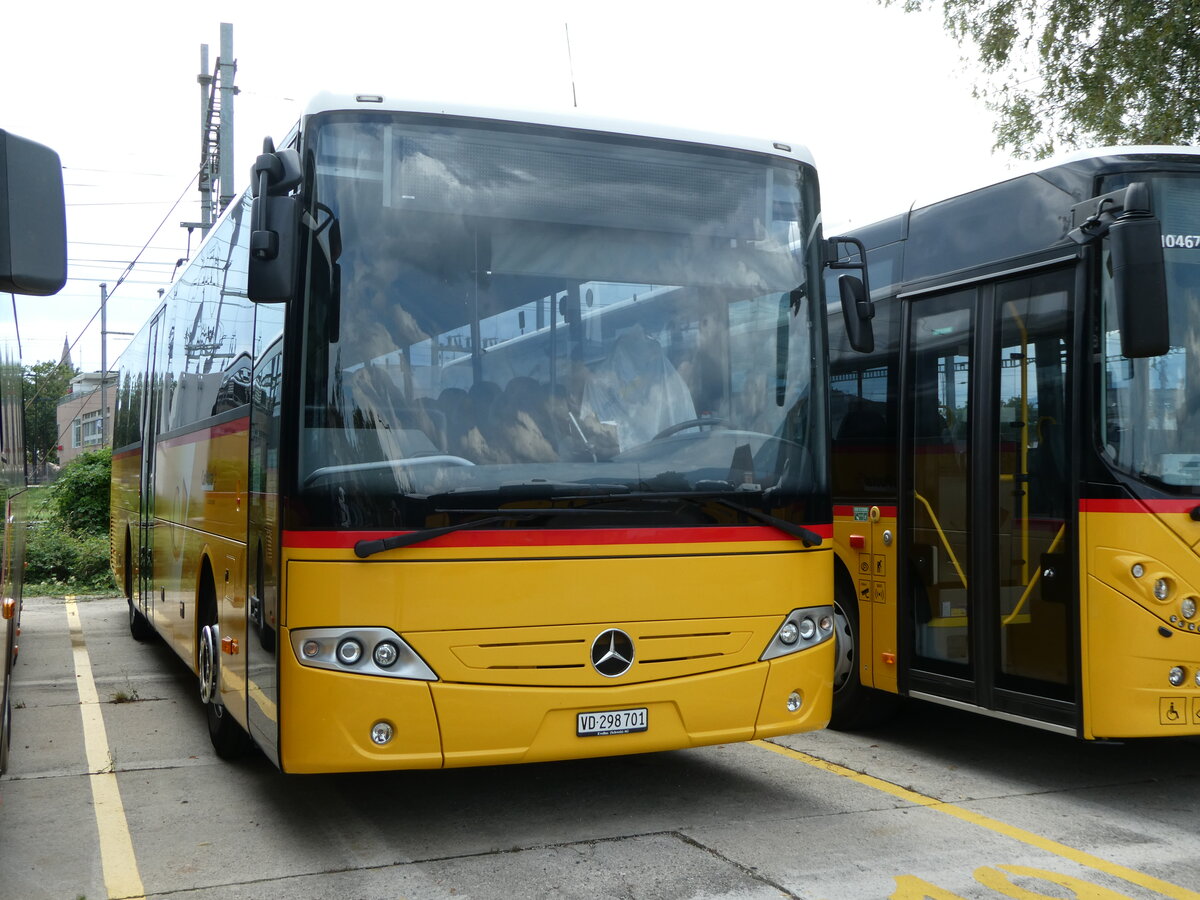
(229, 739)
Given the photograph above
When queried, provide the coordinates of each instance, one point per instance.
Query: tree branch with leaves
(1062, 74)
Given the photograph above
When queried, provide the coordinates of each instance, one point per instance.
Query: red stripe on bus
(212, 432)
(340, 540)
(886, 512)
(1138, 506)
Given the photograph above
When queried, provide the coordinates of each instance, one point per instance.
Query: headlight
(386, 653)
(362, 650)
(1138, 570)
(800, 630)
(1187, 608)
(1162, 589)
(349, 652)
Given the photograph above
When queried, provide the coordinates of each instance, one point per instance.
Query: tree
(45, 384)
(1072, 73)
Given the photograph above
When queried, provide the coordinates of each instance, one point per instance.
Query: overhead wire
(121, 278)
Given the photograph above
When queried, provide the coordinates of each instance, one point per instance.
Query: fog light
(789, 633)
(1162, 589)
(310, 649)
(794, 701)
(349, 652)
(382, 733)
(1188, 607)
(386, 653)
(1177, 675)
(808, 628)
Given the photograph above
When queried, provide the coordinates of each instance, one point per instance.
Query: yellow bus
(33, 261)
(471, 437)
(1016, 461)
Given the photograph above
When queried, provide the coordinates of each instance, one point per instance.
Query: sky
(882, 99)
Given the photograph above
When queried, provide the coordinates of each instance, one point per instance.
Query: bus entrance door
(987, 525)
(150, 416)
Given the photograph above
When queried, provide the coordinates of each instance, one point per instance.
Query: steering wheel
(711, 421)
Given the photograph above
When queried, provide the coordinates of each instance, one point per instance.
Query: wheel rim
(844, 638)
(208, 663)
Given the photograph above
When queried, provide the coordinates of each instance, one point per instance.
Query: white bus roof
(329, 102)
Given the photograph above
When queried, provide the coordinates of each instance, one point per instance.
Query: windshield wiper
(369, 547)
(806, 535)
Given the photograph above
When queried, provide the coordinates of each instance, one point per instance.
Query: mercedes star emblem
(612, 653)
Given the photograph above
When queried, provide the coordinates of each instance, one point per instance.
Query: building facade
(82, 415)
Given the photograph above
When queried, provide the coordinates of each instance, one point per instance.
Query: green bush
(58, 560)
(66, 550)
(79, 496)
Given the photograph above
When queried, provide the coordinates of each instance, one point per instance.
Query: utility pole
(206, 172)
(227, 66)
(217, 91)
(103, 364)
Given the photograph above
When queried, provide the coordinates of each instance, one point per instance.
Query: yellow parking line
(121, 878)
(1026, 837)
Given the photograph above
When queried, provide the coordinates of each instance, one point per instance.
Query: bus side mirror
(274, 267)
(857, 309)
(1139, 284)
(1125, 219)
(857, 312)
(33, 221)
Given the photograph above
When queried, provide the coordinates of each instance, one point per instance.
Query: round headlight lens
(382, 732)
(825, 623)
(1138, 570)
(349, 652)
(1177, 675)
(808, 628)
(789, 633)
(1162, 589)
(1187, 607)
(794, 701)
(386, 653)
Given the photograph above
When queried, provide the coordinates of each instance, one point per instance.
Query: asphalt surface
(114, 791)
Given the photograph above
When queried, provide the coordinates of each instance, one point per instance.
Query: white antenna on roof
(571, 66)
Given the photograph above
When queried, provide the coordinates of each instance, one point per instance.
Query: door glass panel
(940, 363)
(1033, 324)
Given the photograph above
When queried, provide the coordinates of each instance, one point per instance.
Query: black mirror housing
(33, 221)
(1139, 285)
(857, 312)
(274, 266)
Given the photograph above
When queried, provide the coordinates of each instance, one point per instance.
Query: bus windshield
(1150, 408)
(499, 313)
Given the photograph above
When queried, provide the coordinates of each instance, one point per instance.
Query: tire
(5, 732)
(139, 625)
(855, 705)
(229, 739)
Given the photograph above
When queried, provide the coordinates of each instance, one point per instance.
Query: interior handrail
(941, 534)
(1011, 617)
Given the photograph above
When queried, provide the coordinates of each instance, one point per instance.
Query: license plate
(611, 721)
